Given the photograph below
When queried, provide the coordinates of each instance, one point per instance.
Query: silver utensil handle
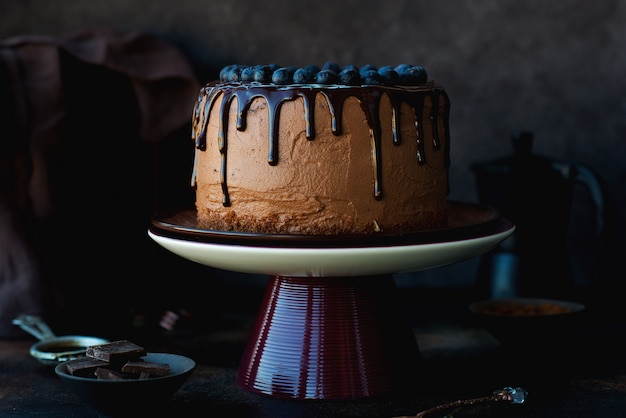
(35, 326)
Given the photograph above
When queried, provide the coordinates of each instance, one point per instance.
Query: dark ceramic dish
(115, 398)
(530, 323)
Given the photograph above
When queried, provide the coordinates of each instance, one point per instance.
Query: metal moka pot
(537, 194)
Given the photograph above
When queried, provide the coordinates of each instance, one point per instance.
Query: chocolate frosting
(369, 98)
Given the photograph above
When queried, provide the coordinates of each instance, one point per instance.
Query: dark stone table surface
(461, 360)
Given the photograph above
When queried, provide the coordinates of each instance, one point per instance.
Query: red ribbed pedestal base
(329, 338)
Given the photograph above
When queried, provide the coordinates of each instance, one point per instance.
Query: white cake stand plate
(329, 326)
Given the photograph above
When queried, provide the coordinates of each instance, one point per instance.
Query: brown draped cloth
(80, 120)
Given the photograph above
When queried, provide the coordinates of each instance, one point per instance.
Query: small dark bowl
(116, 398)
(530, 323)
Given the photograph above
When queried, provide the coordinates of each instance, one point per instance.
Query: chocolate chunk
(84, 366)
(116, 351)
(108, 374)
(140, 367)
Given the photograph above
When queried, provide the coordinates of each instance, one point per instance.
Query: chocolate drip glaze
(369, 99)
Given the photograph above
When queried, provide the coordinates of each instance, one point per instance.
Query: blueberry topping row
(329, 73)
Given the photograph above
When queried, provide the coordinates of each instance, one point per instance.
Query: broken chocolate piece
(108, 374)
(117, 360)
(140, 367)
(115, 351)
(84, 366)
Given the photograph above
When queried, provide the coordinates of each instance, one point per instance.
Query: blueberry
(313, 69)
(419, 73)
(273, 67)
(262, 73)
(326, 77)
(371, 77)
(350, 67)
(350, 77)
(367, 67)
(402, 68)
(225, 72)
(283, 75)
(234, 75)
(303, 75)
(332, 66)
(389, 75)
(413, 75)
(247, 74)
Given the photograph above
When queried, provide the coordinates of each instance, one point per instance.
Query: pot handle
(585, 175)
(35, 326)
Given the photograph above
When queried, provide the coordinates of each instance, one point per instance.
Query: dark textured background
(556, 68)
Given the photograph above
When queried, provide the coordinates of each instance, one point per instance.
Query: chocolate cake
(319, 151)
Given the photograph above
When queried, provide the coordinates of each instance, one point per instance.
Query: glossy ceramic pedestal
(330, 325)
(329, 338)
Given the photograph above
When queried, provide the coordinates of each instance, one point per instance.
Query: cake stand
(330, 325)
